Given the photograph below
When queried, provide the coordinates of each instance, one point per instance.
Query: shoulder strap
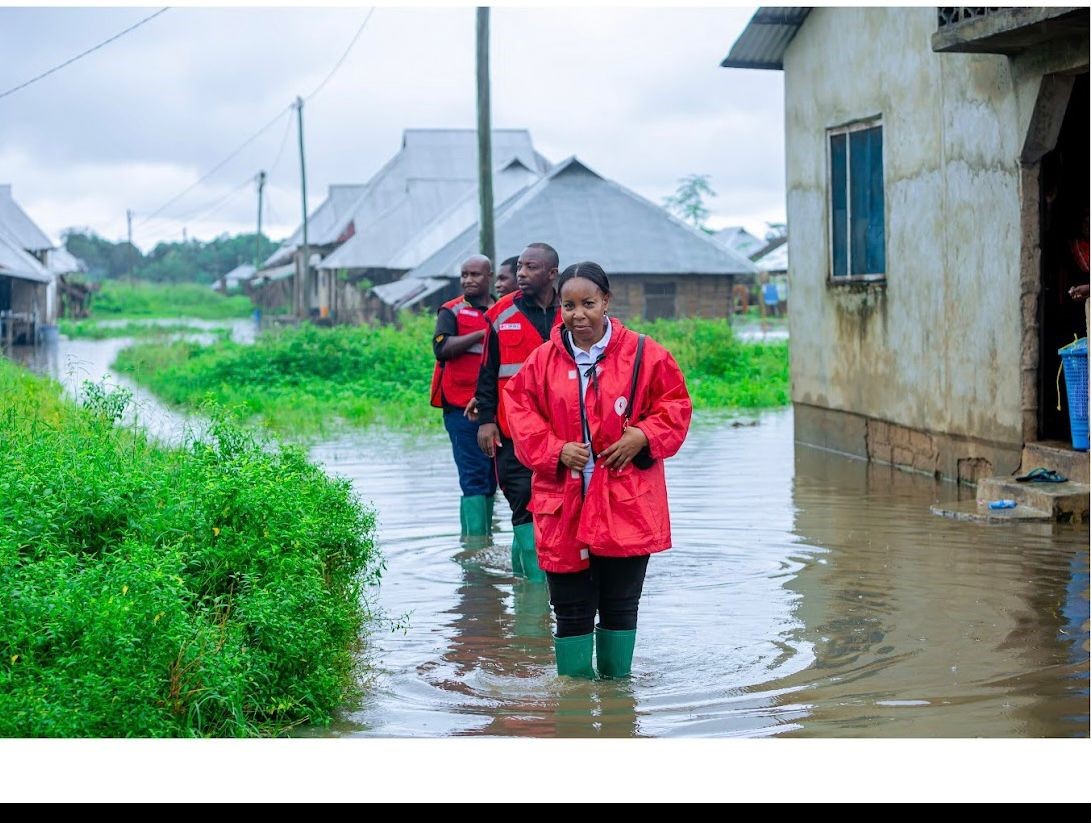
(636, 374)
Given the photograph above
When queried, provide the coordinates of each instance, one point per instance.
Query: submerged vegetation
(304, 380)
(210, 590)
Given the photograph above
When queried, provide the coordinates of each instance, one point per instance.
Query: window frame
(846, 129)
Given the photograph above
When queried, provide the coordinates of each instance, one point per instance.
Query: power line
(283, 143)
(83, 54)
(199, 213)
(218, 166)
(352, 43)
(265, 128)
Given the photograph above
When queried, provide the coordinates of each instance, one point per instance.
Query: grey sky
(636, 93)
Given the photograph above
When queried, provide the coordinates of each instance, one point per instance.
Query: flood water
(807, 595)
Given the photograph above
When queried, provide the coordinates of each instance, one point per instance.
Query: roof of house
(243, 271)
(774, 257)
(15, 262)
(18, 225)
(405, 292)
(766, 37)
(61, 261)
(433, 167)
(739, 239)
(396, 240)
(769, 246)
(587, 217)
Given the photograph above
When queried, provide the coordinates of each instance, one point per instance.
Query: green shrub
(211, 590)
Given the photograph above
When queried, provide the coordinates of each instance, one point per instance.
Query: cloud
(637, 93)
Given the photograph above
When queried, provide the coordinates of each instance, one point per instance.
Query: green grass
(301, 380)
(210, 590)
(721, 372)
(307, 380)
(142, 299)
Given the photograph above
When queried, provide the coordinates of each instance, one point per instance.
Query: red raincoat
(623, 514)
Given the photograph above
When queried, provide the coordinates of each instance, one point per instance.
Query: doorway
(1063, 209)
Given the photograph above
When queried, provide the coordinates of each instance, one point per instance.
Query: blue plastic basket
(1074, 358)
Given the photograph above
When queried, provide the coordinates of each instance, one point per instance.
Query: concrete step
(1064, 502)
(1059, 456)
(968, 510)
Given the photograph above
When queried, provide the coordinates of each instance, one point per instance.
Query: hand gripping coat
(624, 513)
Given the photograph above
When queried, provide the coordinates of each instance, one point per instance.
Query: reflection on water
(807, 595)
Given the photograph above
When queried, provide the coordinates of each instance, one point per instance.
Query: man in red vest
(518, 323)
(457, 344)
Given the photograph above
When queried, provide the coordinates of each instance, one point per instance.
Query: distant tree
(688, 200)
(191, 261)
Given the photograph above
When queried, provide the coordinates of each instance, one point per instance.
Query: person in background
(457, 345)
(594, 413)
(518, 323)
(505, 277)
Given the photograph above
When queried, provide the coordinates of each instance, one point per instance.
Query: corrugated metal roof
(586, 217)
(766, 37)
(275, 273)
(404, 293)
(62, 261)
(243, 271)
(774, 260)
(18, 225)
(326, 224)
(739, 239)
(14, 262)
(398, 242)
(426, 156)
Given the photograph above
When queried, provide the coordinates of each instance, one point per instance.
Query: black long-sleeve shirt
(488, 394)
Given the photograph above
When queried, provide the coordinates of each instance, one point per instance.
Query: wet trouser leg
(475, 472)
(611, 588)
(514, 480)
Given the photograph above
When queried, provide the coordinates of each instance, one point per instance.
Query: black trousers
(514, 481)
(611, 587)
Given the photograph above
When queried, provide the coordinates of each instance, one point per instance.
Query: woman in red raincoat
(596, 448)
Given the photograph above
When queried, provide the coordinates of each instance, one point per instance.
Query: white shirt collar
(596, 349)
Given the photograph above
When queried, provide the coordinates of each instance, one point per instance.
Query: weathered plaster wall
(937, 347)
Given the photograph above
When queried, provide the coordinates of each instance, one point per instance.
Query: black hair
(551, 253)
(512, 263)
(588, 271)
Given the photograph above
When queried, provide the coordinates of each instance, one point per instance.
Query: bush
(212, 590)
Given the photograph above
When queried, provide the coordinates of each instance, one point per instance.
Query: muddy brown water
(807, 595)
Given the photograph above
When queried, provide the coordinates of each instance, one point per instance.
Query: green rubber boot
(517, 553)
(524, 536)
(489, 501)
(473, 512)
(615, 651)
(574, 655)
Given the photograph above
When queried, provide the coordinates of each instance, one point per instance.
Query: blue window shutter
(876, 231)
(839, 204)
(859, 191)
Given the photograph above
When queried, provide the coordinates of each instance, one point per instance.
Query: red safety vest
(455, 380)
(517, 338)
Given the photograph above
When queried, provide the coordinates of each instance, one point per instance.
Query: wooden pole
(301, 287)
(257, 240)
(487, 239)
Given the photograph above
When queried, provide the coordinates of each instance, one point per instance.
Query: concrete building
(937, 170)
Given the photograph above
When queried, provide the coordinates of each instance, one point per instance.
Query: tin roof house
(937, 193)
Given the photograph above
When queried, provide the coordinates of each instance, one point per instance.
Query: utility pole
(257, 240)
(487, 239)
(129, 251)
(301, 288)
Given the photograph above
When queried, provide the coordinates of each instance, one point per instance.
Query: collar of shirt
(586, 358)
